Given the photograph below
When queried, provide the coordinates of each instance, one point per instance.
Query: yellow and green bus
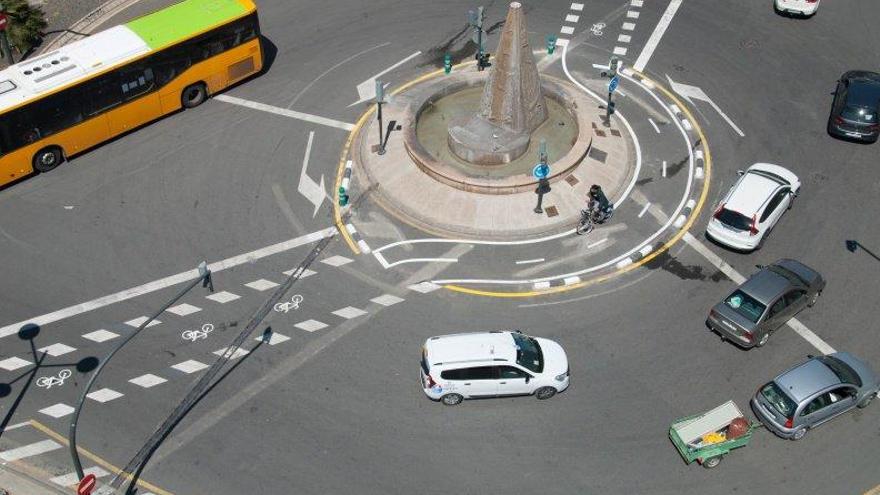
(74, 98)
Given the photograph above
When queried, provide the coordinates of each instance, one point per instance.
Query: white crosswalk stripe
(71, 479)
(184, 309)
(424, 287)
(57, 411)
(13, 363)
(336, 260)
(274, 338)
(190, 366)
(349, 312)
(223, 297)
(56, 350)
(387, 299)
(140, 320)
(147, 381)
(261, 285)
(311, 325)
(235, 354)
(305, 273)
(100, 336)
(104, 395)
(29, 450)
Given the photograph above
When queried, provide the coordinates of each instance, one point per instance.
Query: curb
(83, 27)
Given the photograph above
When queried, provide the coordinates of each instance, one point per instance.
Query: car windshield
(745, 305)
(778, 399)
(528, 353)
(734, 219)
(790, 275)
(859, 114)
(843, 371)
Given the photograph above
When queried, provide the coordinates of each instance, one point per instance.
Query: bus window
(104, 94)
(56, 112)
(169, 64)
(136, 80)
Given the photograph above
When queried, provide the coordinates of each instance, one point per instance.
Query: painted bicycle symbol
(288, 305)
(48, 382)
(597, 28)
(195, 335)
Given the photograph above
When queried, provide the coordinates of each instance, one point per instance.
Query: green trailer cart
(703, 437)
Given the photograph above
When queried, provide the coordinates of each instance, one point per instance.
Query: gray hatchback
(813, 392)
(765, 302)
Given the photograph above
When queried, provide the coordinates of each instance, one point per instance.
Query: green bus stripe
(183, 20)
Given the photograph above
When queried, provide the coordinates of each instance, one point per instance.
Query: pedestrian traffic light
(551, 44)
(447, 63)
(613, 64)
(343, 196)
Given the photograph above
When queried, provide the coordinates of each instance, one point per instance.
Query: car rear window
(425, 367)
(734, 219)
(745, 305)
(778, 399)
(842, 370)
(859, 114)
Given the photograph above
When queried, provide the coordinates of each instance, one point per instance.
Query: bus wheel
(193, 95)
(48, 158)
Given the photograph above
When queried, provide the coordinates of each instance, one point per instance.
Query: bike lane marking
(166, 282)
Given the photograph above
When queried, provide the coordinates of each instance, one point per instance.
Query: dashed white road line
(577, 6)
(664, 168)
(566, 30)
(738, 279)
(167, 281)
(572, 18)
(654, 125)
(642, 213)
(654, 40)
(527, 262)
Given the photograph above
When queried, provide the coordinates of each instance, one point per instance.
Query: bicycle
(590, 217)
(48, 381)
(195, 335)
(287, 306)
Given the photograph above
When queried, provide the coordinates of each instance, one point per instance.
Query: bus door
(138, 97)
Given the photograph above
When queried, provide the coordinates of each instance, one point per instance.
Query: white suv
(492, 364)
(753, 206)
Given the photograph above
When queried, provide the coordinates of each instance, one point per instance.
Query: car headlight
(562, 377)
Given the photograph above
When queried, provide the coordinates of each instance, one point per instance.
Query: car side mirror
(740, 172)
(810, 356)
(759, 267)
(528, 378)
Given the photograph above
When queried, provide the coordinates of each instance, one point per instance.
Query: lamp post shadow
(853, 245)
(29, 333)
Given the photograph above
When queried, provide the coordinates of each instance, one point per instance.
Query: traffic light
(551, 44)
(343, 196)
(483, 61)
(447, 63)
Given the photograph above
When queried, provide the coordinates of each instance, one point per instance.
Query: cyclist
(598, 205)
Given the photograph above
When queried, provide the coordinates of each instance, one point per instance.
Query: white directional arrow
(367, 89)
(313, 192)
(687, 92)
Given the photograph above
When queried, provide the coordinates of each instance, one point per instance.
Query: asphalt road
(338, 409)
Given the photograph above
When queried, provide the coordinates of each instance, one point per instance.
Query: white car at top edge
(801, 7)
(753, 206)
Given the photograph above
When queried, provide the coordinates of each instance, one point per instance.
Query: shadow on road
(29, 333)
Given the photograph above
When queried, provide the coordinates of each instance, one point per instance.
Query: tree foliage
(26, 24)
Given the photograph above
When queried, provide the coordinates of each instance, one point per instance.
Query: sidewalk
(14, 482)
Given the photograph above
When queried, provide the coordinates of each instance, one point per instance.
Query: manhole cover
(749, 44)
(572, 180)
(551, 211)
(615, 133)
(600, 133)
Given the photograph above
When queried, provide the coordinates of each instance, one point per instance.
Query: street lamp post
(204, 278)
(4, 41)
(380, 99)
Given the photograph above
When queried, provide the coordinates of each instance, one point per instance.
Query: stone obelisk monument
(512, 105)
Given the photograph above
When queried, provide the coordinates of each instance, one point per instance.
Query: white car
(753, 206)
(492, 364)
(802, 7)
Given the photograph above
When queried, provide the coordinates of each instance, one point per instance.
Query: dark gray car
(765, 302)
(813, 392)
(855, 107)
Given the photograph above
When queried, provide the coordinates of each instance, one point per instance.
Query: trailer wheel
(711, 462)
